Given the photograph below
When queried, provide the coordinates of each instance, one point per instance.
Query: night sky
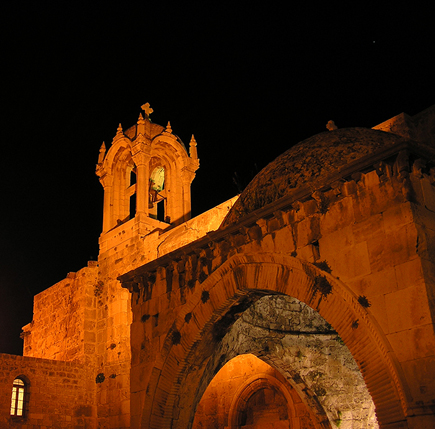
(248, 82)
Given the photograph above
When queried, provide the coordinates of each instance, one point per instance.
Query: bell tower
(146, 175)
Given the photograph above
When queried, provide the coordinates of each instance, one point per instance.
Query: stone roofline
(418, 127)
(352, 171)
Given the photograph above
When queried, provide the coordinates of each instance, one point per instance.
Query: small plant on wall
(338, 420)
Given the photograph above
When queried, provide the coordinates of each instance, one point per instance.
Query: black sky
(249, 82)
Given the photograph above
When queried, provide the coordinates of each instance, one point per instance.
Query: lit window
(157, 179)
(17, 402)
(157, 194)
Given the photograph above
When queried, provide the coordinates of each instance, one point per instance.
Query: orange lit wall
(248, 393)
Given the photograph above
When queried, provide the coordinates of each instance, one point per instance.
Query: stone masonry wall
(86, 317)
(63, 325)
(412, 332)
(364, 231)
(128, 250)
(60, 394)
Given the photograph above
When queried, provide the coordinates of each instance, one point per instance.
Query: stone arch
(240, 281)
(173, 190)
(229, 397)
(164, 141)
(121, 145)
(179, 174)
(23, 377)
(118, 165)
(123, 164)
(24, 386)
(251, 386)
(304, 351)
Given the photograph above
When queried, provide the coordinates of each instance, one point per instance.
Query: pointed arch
(119, 192)
(262, 380)
(179, 174)
(118, 147)
(240, 281)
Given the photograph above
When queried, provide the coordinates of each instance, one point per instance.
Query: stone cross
(147, 109)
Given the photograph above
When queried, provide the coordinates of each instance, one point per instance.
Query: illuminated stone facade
(307, 302)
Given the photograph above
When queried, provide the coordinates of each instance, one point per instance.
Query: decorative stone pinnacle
(147, 109)
(331, 126)
(168, 128)
(141, 120)
(193, 151)
(102, 153)
(119, 130)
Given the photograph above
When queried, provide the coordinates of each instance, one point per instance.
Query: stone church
(306, 302)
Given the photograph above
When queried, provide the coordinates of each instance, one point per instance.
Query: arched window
(131, 191)
(18, 397)
(157, 194)
(157, 179)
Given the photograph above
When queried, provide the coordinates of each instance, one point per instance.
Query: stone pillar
(142, 191)
(187, 177)
(141, 158)
(107, 182)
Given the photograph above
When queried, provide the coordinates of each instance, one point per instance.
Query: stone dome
(309, 162)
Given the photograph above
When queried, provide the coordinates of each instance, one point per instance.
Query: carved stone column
(141, 158)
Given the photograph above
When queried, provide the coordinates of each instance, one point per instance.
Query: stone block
(375, 200)
(89, 325)
(125, 407)
(403, 243)
(423, 216)
(379, 254)
(368, 227)
(378, 311)
(306, 253)
(428, 268)
(336, 241)
(409, 273)
(420, 374)
(397, 216)
(413, 344)
(307, 231)
(101, 336)
(392, 248)
(347, 262)
(407, 308)
(428, 191)
(284, 241)
(425, 246)
(339, 215)
(114, 307)
(377, 283)
(90, 313)
(267, 244)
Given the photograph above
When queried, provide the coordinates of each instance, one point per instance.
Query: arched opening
(299, 349)
(249, 393)
(157, 194)
(131, 190)
(19, 397)
(265, 408)
(210, 315)
(120, 185)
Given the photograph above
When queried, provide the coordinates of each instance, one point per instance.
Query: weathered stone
(323, 269)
